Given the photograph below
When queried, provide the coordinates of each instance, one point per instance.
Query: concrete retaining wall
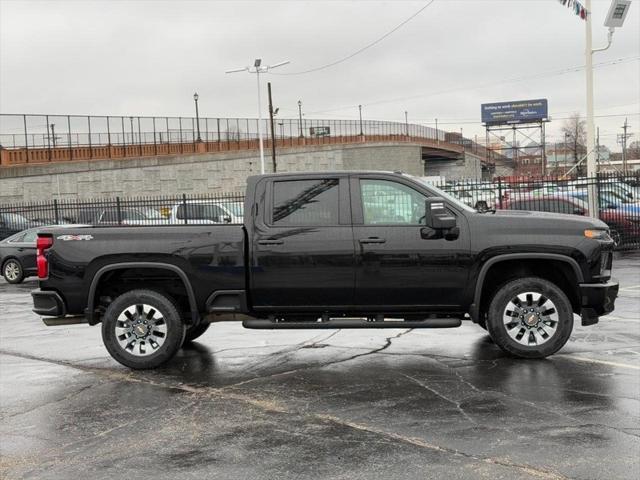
(191, 174)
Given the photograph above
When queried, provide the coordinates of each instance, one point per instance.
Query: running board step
(60, 321)
(264, 324)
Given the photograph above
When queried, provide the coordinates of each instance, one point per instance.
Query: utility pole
(622, 139)
(360, 110)
(273, 134)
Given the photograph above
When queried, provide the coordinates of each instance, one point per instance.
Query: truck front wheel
(142, 329)
(530, 318)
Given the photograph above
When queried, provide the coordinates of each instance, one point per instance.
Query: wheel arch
(95, 282)
(482, 291)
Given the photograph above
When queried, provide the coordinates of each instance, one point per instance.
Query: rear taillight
(43, 243)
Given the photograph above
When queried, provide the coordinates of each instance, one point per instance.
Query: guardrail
(52, 138)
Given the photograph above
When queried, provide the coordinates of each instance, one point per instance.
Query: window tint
(306, 202)
(386, 202)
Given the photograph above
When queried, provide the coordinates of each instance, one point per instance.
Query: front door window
(391, 203)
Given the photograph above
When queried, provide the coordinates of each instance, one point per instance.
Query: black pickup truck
(331, 250)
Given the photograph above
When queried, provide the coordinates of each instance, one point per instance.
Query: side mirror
(436, 215)
(226, 219)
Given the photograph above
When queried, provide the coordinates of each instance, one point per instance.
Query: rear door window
(306, 202)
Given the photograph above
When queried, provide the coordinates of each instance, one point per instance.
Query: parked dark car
(331, 250)
(18, 254)
(548, 203)
(11, 223)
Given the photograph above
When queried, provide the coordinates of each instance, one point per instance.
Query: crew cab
(331, 250)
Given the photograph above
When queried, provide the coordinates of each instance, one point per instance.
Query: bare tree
(575, 134)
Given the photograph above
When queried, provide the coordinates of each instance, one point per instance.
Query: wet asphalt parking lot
(343, 404)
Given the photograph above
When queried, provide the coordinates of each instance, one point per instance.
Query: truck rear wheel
(530, 318)
(194, 331)
(142, 329)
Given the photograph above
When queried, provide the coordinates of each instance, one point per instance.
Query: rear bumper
(48, 303)
(597, 299)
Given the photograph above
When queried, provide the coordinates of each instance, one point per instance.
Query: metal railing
(619, 198)
(140, 211)
(58, 131)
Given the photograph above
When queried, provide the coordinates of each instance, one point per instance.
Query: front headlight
(597, 234)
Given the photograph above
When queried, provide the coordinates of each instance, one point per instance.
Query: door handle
(270, 242)
(365, 241)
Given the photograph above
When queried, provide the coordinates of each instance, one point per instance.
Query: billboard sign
(520, 111)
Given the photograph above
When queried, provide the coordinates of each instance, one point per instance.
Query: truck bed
(212, 256)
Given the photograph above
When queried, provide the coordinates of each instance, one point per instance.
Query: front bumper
(597, 299)
(48, 303)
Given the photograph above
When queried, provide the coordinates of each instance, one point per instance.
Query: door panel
(303, 252)
(395, 265)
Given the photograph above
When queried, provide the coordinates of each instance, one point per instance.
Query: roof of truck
(329, 173)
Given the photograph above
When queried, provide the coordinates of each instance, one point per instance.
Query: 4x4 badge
(65, 238)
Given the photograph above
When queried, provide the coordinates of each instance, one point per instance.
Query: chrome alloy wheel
(11, 271)
(140, 330)
(530, 319)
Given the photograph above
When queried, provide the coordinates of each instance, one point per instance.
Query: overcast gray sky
(148, 57)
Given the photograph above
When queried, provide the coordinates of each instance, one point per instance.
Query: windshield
(443, 194)
(236, 208)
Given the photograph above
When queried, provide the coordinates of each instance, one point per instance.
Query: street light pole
(360, 110)
(53, 134)
(195, 99)
(615, 18)
(406, 122)
(301, 134)
(258, 68)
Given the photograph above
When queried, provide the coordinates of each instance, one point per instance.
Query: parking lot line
(602, 362)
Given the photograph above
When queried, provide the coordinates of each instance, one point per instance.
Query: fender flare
(475, 306)
(195, 316)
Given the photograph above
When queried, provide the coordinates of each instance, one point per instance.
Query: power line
(366, 47)
(551, 73)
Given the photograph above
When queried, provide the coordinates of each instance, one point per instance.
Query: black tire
(12, 271)
(164, 309)
(616, 235)
(499, 330)
(194, 331)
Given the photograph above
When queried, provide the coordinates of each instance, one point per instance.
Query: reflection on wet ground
(331, 404)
